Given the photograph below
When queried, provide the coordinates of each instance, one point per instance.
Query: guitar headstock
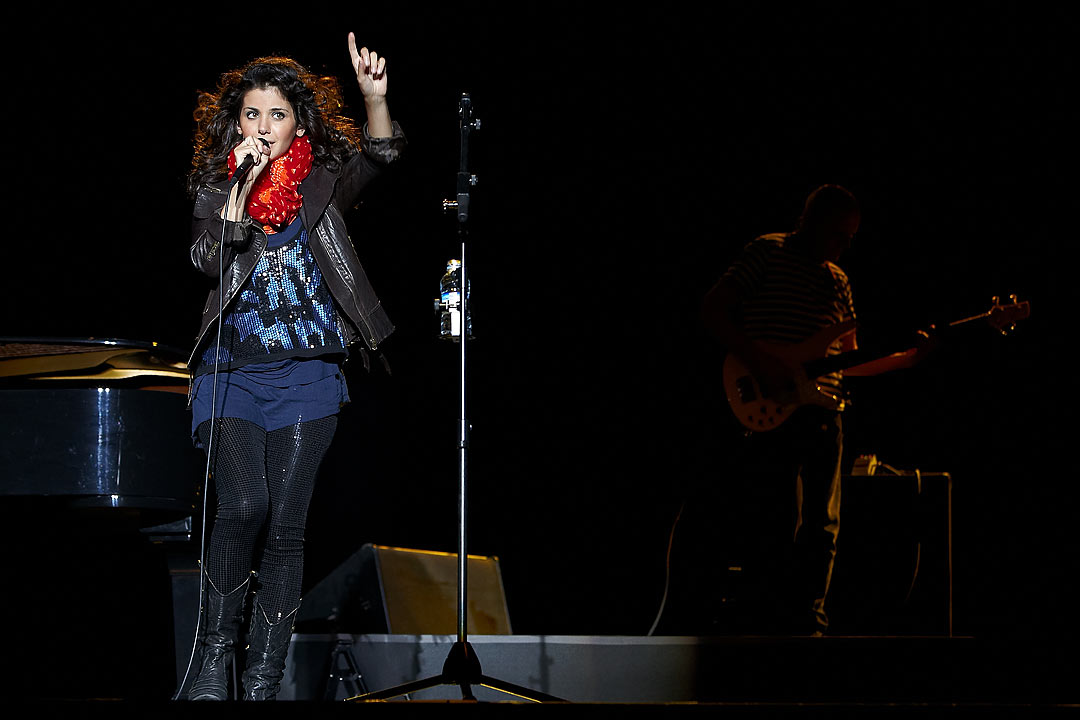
(1003, 318)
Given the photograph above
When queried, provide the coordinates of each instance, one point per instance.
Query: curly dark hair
(318, 102)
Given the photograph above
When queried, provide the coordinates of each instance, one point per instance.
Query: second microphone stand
(462, 666)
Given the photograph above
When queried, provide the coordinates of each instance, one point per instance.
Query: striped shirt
(785, 298)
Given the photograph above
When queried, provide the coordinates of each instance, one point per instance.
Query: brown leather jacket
(326, 195)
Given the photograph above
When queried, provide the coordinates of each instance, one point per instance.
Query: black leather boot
(268, 644)
(224, 613)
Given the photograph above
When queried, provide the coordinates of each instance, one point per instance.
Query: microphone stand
(461, 667)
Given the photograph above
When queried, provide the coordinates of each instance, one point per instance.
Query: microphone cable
(917, 560)
(667, 570)
(918, 543)
(209, 447)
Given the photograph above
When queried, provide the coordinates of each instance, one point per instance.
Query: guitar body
(761, 413)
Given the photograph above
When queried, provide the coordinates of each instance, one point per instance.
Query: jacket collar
(317, 189)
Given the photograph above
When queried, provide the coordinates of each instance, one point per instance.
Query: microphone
(249, 160)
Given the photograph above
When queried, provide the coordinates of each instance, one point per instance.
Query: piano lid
(92, 359)
(87, 419)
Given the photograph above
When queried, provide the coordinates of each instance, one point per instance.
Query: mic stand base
(461, 668)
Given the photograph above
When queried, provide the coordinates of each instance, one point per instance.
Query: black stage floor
(90, 636)
(641, 677)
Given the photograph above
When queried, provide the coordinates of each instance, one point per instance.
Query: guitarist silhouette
(784, 313)
(783, 291)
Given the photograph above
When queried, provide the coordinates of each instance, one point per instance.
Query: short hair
(827, 201)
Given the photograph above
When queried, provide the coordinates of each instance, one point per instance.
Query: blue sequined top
(280, 345)
(284, 309)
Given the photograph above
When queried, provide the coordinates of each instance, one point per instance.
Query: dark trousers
(791, 494)
(755, 543)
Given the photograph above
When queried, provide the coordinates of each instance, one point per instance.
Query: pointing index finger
(353, 53)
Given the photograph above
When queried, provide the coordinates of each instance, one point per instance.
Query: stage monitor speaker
(893, 572)
(392, 590)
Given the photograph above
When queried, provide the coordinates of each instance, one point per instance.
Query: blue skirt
(272, 395)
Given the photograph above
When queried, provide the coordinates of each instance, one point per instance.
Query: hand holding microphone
(247, 154)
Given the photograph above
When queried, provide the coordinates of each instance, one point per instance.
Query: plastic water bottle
(449, 303)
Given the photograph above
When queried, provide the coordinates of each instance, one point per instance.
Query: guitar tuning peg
(995, 301)
(1014, 299)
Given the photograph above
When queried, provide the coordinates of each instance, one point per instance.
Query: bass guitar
(810, 360)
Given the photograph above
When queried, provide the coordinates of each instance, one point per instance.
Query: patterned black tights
(264, 482)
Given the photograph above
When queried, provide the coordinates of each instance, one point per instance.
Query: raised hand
(370, 70)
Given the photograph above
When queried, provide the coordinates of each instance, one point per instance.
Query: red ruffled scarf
(274, 200)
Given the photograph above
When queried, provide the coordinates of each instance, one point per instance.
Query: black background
(623, 160)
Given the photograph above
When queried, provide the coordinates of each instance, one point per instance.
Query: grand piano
(100, 510)
(99, 423)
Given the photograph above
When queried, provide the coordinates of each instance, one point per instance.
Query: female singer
(289, 298)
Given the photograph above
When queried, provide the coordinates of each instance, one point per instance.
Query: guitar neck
(1000, 317)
